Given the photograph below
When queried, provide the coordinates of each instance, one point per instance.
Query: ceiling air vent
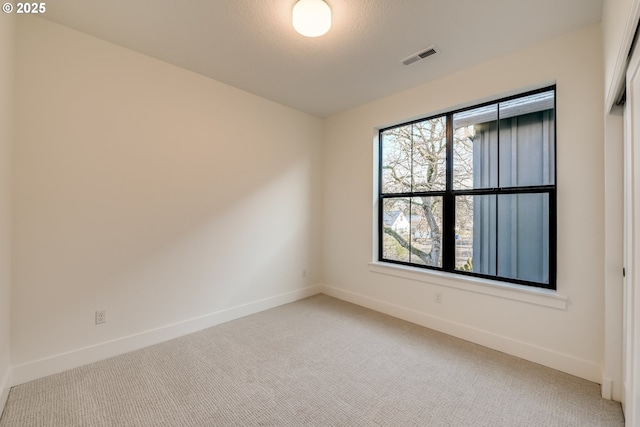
(420, 55)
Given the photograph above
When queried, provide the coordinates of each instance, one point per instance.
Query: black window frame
(449, 194)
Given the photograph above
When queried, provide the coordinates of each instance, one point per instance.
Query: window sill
(537, 296)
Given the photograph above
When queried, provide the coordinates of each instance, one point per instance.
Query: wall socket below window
(101, 316)
(437, 297)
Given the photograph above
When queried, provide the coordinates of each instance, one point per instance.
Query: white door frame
(631, 309)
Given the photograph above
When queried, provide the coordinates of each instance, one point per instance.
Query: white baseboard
(5, 385)
(607, 388)
(61, 362)
(562, 362)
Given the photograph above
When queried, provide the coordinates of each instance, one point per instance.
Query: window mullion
(380, 200)
(412, 189)
(497, 224)
(449, 212)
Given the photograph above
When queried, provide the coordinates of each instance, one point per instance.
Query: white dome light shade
(311, 18)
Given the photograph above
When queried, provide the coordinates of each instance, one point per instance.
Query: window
(473, 191)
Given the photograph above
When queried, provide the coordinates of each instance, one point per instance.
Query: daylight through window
(473, 191)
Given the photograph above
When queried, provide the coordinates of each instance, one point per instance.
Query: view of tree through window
(473, 191)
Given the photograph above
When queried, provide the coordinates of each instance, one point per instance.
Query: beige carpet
(315, 362)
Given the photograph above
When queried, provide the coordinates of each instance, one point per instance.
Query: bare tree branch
(417, 252)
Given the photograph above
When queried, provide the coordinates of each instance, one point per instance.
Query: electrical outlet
(437, 297)
(304, 273)
(101, 316)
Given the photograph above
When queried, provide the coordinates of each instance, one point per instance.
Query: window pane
(527, 135)
(426, 231)
(500, 171)
(505, 235)
(523, 236)
(537, 102)
(475, 148)
(429, 155)
(413, 230)
(396, 229)
(396, 159)
(476, 234)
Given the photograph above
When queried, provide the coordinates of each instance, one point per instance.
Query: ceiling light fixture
(311, 18)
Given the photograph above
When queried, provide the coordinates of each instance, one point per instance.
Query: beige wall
(613, 261)
(149, 191)
(6, 125)
(569, 339)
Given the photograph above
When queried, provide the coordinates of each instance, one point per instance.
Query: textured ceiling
(250, 44)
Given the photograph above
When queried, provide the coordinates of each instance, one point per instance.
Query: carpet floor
(314, 362)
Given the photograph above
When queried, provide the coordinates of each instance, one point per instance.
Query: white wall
(6, 125)
(151, 192)
(569, 339)
(613, 260)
